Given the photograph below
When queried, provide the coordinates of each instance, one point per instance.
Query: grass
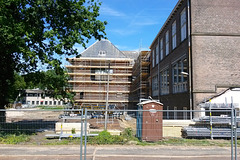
(14, 139)
(105, 138)
(51, 107)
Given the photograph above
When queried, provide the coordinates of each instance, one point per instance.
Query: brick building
(101, 76)
(196, 53)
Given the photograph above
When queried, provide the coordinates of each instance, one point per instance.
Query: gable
(103, 49)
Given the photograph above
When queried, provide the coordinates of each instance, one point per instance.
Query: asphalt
(124, 152)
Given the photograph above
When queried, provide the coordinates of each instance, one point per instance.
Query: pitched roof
(103, 49)
(131, 54)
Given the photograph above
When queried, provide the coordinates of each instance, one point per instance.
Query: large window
(183, 25)
(153, 58)
(164, 82)
(101, 74)
(157, 54)
(174, 35)
(179, 79)
(161, 49)
(167, 42)
(155, 86)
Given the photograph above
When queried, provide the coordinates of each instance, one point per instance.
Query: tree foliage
(32, 32)
(53, 83)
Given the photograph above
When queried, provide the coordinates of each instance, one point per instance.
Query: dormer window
(101, 53)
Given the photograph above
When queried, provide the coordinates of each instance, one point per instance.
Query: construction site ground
(43, 123)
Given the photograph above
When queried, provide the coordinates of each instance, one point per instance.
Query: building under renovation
(140, 85)
(101, 77)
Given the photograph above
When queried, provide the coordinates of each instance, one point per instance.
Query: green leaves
(34, 31)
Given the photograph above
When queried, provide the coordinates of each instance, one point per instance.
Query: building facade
(101, 77)
(37, 97)
(196, 54)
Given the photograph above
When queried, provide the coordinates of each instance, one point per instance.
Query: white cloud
(105, 10)
(124, 31)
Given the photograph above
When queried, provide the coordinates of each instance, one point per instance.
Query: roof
(102, 49)
(131, 54)
(33, 91)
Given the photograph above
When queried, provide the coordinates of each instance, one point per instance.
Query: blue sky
(133, 24)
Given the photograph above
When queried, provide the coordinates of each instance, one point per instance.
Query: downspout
(189, 61)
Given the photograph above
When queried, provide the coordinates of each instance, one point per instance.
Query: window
(50, 102)
(46, 102)
(33, 102)
(167, 42)
(183, 25)
(174, 35)
(164, 82)
(101, 53)
(81, 95)
(157, 54)
(41, 102)
(155, 86)
(153, 58)
(102, 74)
(37, 102)
(161, 49)
(179, 79)
(59, 102)
(55, 103)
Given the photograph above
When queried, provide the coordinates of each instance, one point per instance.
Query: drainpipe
(189, 60)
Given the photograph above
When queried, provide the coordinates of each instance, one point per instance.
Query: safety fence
(90, 127)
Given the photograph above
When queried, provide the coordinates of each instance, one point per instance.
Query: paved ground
(8, 152)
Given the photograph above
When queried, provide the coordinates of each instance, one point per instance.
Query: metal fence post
(85, 136)
(81, 134)
(211, 129)
(235, 131)
(232, 131)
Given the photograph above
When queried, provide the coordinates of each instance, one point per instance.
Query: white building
(37, 97)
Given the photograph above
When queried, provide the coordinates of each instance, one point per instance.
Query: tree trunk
(6, 78)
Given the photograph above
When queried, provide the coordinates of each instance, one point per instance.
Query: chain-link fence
(87, 127)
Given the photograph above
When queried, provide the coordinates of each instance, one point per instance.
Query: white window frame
(102, 53)
(167, 42)
(183, 21)
(179, 80)
(157, 54)
(174, 35)
(101, 74)
(164, 82)
(161, 49)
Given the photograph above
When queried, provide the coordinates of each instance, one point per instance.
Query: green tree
(33, 31)
(16, 88)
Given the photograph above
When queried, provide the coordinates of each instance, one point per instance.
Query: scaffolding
(90, 77)
(140, 86)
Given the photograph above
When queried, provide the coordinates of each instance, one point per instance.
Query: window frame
(174, 35)
(179, 80)
(183, 24)
(161, 48)
(164, 82)
(167, 43)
